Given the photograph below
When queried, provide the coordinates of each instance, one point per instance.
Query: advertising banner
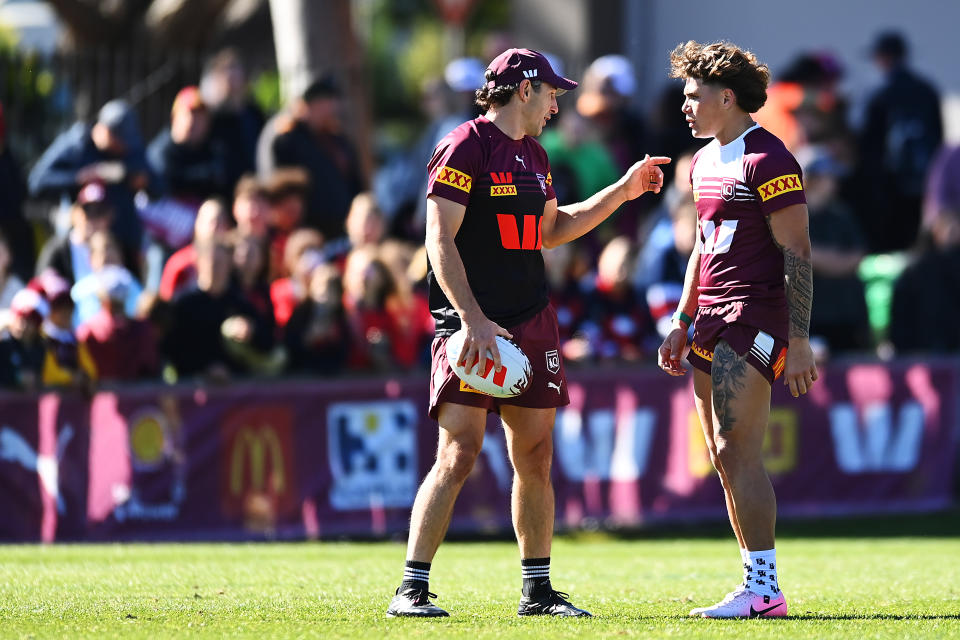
(328, 459)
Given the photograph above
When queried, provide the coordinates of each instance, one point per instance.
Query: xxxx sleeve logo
(454, 178)
(778, 186)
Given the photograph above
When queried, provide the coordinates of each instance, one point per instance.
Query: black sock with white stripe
(416, 574)
(536, 575)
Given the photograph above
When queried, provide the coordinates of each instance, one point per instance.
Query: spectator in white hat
(66, 363)
(21, 348)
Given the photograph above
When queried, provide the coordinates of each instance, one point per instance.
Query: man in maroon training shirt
(490, 210)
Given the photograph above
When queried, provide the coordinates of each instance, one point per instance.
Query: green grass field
(866, 581)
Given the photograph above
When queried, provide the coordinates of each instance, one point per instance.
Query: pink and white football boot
(745, 604)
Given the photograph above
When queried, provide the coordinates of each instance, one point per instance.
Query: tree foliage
(164, 24)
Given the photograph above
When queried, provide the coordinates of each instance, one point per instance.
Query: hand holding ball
(512, 379)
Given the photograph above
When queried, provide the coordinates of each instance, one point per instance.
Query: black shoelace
(423, 597)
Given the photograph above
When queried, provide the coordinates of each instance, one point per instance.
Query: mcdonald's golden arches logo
(257, 459)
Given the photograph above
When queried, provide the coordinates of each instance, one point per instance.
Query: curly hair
(724, 64)
(488, 98)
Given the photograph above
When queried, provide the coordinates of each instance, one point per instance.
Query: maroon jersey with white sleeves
(735, 187)
(504, 184)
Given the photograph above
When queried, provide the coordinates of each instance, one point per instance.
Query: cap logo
(530, 73)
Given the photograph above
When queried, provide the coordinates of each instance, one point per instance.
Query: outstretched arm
(569, 222)
(789, 228)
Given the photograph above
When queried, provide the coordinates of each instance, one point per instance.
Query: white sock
(760, 572)
(744, 563)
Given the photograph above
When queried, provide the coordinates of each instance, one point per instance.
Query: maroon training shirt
(736, 186)
(504, 184)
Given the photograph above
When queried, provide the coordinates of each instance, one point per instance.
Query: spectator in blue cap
(109, 151)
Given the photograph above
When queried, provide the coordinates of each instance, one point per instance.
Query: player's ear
(524, 89)
(728, 98)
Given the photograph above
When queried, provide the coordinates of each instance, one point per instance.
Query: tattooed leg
(741, 408)
(727, 374)
(703, 399)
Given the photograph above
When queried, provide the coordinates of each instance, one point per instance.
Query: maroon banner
(43, 467)
(329, 459)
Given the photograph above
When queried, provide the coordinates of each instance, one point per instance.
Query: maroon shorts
(539, 340)
(765, 353)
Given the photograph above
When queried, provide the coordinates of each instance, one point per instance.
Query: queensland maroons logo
(728, 188)
(553, 361)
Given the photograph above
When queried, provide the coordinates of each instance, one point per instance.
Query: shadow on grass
(813, 617)
(941, 524)
(875, 616)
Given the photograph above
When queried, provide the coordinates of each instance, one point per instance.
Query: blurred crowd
(236, 245)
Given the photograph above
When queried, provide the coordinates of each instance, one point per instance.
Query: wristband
(682, 317)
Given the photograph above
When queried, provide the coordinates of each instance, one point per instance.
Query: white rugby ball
(512, 379)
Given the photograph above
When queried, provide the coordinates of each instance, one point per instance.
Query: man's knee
(714, 459)
(455, 460)
(726, 452)
(534, 461)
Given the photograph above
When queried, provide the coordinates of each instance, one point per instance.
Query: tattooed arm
(789, 229)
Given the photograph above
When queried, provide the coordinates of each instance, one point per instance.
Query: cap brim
(562, 84)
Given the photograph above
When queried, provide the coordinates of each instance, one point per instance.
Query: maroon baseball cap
(513, 65)
(93, 192)
(28, 302)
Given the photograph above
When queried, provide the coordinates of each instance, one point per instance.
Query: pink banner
(328, 459)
